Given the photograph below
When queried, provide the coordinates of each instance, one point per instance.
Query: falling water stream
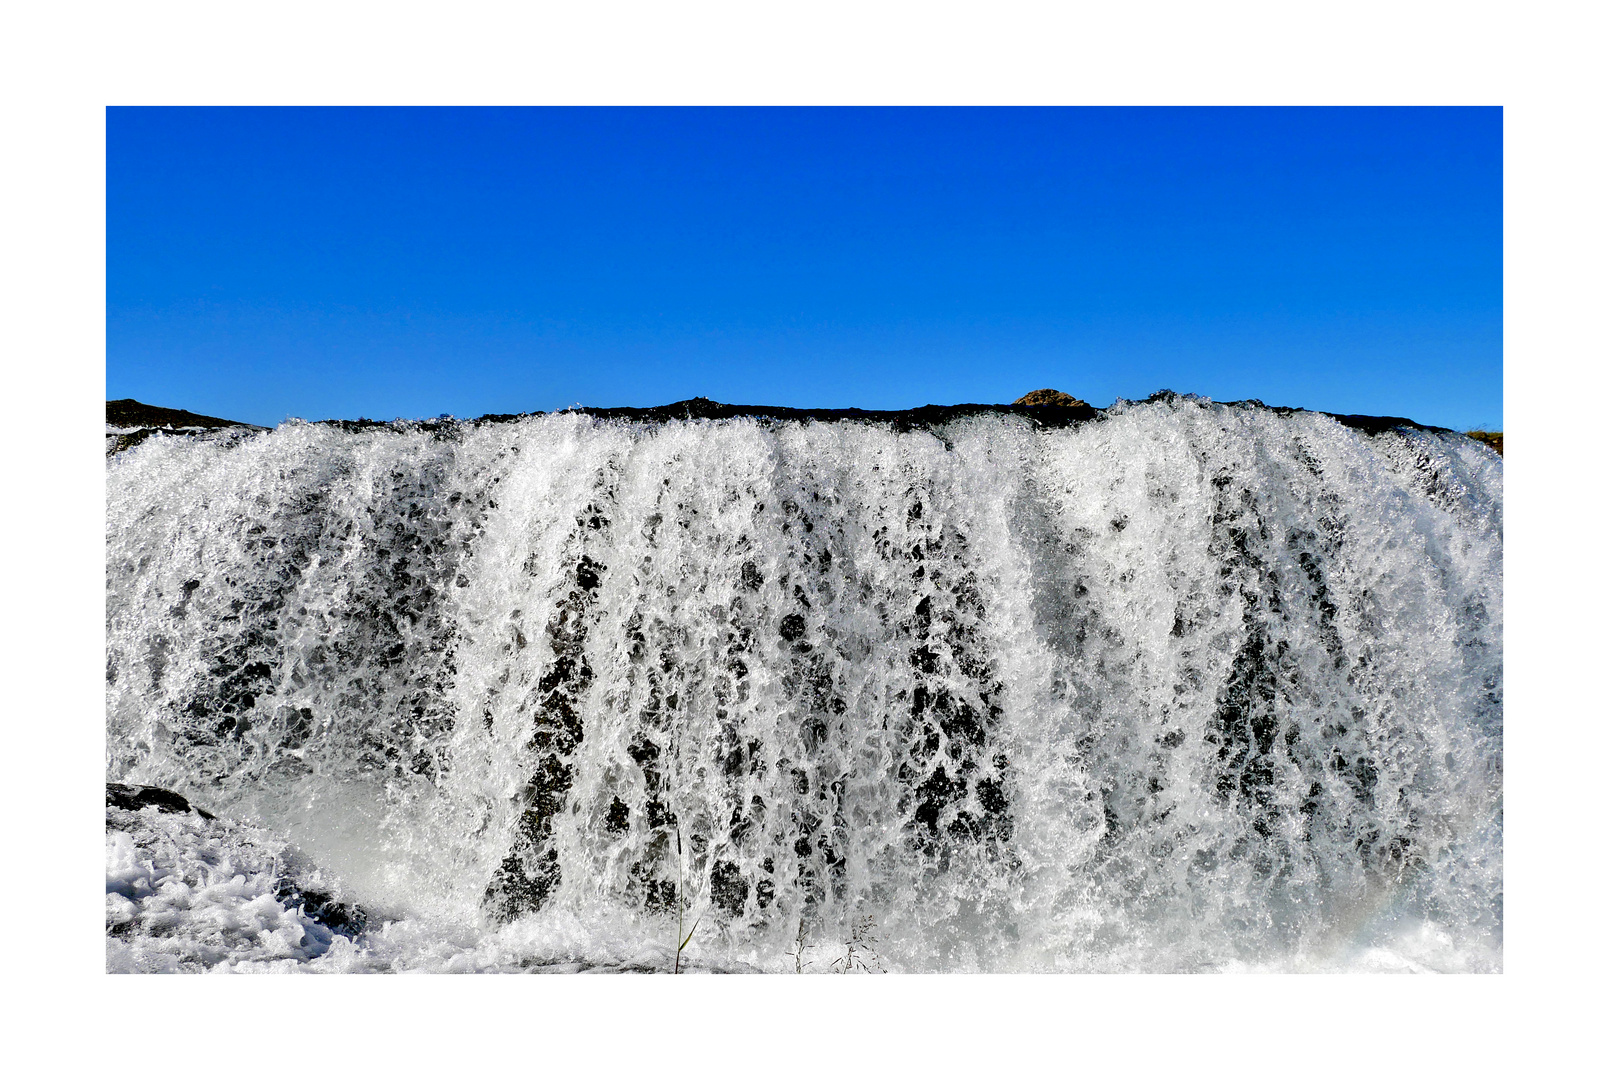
(1183, 687)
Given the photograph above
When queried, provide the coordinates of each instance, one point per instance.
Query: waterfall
(1182, 686)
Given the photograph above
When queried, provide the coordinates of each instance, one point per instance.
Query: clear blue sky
(264, 263)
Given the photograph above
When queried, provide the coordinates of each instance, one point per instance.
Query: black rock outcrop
(139, 796)
(128, 413)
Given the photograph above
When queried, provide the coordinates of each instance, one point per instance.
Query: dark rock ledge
(128, 413)
(138, 797)
(923, 417)
(1058, 410)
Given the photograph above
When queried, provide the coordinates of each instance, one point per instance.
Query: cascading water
(1183, 687)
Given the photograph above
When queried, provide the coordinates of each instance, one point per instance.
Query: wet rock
(348, 920)
(139, 796)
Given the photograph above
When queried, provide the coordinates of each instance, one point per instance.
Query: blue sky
(265, 263)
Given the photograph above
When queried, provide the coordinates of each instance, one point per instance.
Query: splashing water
(1186, 687)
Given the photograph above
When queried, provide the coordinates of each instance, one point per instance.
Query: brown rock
(1048, 396)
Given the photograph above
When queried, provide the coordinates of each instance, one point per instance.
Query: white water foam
(1190, 687)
